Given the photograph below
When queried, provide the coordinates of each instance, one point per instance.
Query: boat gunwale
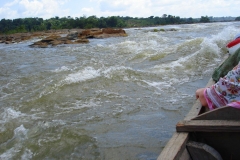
(175, 147)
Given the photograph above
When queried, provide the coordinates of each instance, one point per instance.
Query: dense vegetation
(8, 26)
(237, 19)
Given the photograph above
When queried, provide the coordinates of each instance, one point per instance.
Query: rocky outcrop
(54, 40)
(15, 38)
(72, 35)
(76, 37)
(102, 33)
(57, 37)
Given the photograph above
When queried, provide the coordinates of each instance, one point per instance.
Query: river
(111, 99)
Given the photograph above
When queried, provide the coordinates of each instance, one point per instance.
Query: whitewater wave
(83, 75)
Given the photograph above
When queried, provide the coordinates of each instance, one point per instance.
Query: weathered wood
(175, 147)
(223, 113)
(200, 151)
(208, 126)
(195, 110)
(185, 155)
(226, 143)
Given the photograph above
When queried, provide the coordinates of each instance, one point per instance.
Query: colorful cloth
(226, 92)
(234, 104)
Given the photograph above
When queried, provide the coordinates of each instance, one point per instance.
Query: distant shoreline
(30, 25)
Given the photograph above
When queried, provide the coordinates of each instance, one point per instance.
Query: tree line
(8, 26)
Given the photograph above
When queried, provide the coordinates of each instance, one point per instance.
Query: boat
(206, 135)
(234, 45)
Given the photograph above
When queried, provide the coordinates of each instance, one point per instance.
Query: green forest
(20, 25)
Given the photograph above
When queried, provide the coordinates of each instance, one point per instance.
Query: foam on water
(116, 70)
(83, 75)
(159, 85)
(90, 73)
(27, 155)
(9, 154)
(86, 74)
(20, 132)
(79, 105)
(61, 69)
(19, 136)
(10, 113)
(199, 60)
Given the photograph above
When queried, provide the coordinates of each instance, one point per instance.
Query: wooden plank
(208, 126)
(200, 151)
(195, 110)
(175, 147)
(223, 113)
(226, 143)
(185, 155)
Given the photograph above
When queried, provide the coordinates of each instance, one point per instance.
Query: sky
(12, 9)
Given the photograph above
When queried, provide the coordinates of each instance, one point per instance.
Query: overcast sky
(11, 9)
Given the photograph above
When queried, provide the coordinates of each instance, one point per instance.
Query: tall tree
(204, 19)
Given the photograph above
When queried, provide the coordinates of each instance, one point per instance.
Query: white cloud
(88, 10)
(33, 8)
(133, 8)
(7, 12)
(196, 8)
(11, 3)
(138, 8)
(146, 8)
(43, 8)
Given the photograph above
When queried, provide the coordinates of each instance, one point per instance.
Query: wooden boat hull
(205, 135)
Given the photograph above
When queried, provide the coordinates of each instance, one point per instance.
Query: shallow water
(115, 98)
